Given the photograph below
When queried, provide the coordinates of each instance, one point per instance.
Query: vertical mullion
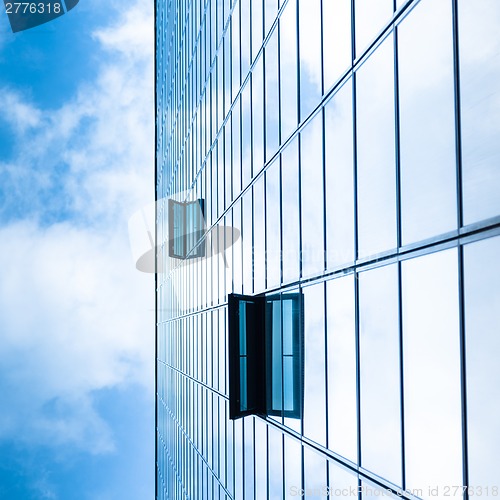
(356, 281)
(461, 277)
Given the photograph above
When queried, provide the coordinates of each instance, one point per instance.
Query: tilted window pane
(480, 96)
(482, 320)
(376, 152)
(431, 350)
(427, 121)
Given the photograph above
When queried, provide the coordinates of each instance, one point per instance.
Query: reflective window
(376, 152)
(186, 228)
(427, 126)
(482, 320)
(260, 459)
(337, 54)
(266, 348)
(371, 18)
(341, 365)
(273, 228)
(259, 249)
(275, 463)
(293, 466)
(246, 136)
(314, 363)
(339, 171)
(479, 75)
(258, 116)
(311, 173)
(290, 211)
(379, 372)
(315, 484)
(288, 69)
(431, 347)
(310, 55)
(272, 95)
(249, 457)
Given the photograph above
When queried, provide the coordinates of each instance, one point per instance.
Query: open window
(186, 229)
(266, 346)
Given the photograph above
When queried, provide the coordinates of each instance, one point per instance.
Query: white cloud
(75, 315)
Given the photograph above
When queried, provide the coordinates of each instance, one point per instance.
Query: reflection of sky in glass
(482, 330)
(427, 132)
(379, 362)
(480, 93)
(432, 371)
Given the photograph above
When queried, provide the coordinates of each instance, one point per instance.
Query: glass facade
(347, 152)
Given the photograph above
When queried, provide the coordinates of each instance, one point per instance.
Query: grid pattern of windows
(353, 147)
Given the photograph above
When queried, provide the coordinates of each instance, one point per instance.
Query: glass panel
(371, 18)
(257, 26)
(479, 76)
(371, 491)
(272, 95)
(313, 257)
(314, 365)
(259, 228)
(244, 42)
(276, 355)
(290, 211)
(293, 467)
(236, 144)
(336, 39)
(243, 384)
(271, 10)
(238, 458)
(342, 483)
(258, 116)
(247, 239)
(237, 249)
(376, 152)
(427, 127)
(288, 383)
(482, 317)
(260, 460)
(288, 69)
(246, 136)
(235, 48)
(341, 360)
(273, 229)
(310, 55)
(431, 345)
(314, 475)
(379, 372)
(275, 463)
(339, 171)
(249, 457)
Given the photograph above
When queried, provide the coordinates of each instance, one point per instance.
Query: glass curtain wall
(346, 150)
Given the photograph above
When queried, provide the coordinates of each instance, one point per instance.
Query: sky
(76, 317)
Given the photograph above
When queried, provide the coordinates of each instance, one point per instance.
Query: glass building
(328, 228)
